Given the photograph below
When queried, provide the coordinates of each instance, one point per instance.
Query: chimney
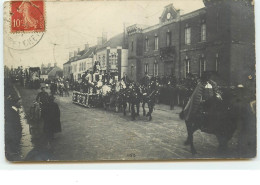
(86, 47)
(99, 41)
(49, 65)
(104, 37)
(78, 50)
(55, 64)
(75, 53)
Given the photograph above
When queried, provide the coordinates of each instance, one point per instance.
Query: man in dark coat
(205, 89)
(43, 99)
(52, 124)
(52, 88)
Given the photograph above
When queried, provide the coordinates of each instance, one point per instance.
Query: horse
(149, 95)
(214, 116)
(133, 98)
(121, 98)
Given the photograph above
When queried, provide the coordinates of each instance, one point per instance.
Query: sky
(70, 25)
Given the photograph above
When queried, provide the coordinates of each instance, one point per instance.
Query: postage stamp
(27, 16)
(24, 24)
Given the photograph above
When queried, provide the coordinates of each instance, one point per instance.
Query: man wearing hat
(43, 99)
(204, 90)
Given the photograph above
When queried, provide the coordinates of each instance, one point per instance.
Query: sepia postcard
(129, 80)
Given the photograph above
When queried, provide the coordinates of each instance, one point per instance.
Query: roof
(67, 62)
(114, 42)
(82, 54)
(88, 53)
(54, 71)
(46, 70)
(193, 14)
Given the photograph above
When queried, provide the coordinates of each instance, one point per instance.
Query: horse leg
(117, 104)
(129, 108)
(124, 108)
(189, 140)
(143, 105)
(133, 111)
(150, 111)
(137, 108)
(172, 102)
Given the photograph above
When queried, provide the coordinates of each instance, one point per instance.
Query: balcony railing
(167, 52)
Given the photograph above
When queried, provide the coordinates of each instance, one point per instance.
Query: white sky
(72, 24)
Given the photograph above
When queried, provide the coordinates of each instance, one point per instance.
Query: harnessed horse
(149, 95)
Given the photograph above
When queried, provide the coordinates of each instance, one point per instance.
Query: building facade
(82, 61)
(218, 37)
(67, 70)
(79, 62)
(113, 56)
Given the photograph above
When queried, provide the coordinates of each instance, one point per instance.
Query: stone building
(219, 37)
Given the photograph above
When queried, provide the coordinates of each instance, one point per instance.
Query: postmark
(24, 24)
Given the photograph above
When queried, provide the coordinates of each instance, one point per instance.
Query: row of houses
(219, 37)
(112, 55)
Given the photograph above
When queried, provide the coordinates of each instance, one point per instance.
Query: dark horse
(214, 116)
(134, 100)
(149, 95)
(121, 100)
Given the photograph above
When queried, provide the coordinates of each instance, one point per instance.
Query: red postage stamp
(27, 16)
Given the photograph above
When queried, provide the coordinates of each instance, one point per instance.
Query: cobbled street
(96, 134)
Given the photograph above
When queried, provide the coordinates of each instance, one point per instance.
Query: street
(92, 134)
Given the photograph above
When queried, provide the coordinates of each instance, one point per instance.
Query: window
(188, 36)
(146, 68)
(187, 67)
(132, 46)
(146, 44)
(168, 38)
(113, 58)
(132, 70)
(217, 63)
(155, 69)
(203, 32)
(156, 42)
(202, 65)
